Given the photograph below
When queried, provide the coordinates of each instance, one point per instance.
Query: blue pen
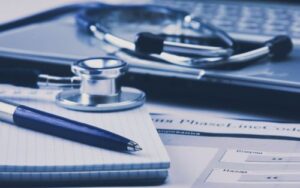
(36, 120)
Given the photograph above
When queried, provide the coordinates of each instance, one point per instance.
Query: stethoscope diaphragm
(100, 90)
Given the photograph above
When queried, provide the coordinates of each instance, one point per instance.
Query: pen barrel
(43, 122)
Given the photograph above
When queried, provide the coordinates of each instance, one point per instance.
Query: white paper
(235, 176)
(26, 150)
(187, 164)
(261, 157)
(224, 127)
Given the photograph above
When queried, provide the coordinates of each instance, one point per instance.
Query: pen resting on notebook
(39, 121)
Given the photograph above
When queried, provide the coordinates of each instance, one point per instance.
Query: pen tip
(133, 146)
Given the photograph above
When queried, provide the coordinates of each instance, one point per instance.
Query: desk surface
(207, 108)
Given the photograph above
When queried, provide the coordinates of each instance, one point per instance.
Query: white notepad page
(26, 150)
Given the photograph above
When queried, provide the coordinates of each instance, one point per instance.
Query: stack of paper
(32, 157)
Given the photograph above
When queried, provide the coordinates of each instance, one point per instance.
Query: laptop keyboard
(245, 19)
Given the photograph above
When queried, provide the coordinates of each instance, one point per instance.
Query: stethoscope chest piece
(100, 89)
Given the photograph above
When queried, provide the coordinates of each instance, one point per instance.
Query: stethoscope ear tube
(85, 19)
(278, 48)
(148, 43)
(227, 40)
(83, 23)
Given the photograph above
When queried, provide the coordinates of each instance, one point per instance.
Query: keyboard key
(274, 32)
(295, 34)
(295, 29)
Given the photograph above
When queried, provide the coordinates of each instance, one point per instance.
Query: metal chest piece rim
(100, 89)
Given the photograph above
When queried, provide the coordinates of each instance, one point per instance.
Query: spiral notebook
(32, 157)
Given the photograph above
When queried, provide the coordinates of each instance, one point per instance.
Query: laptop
(247, 20)
(255, 21)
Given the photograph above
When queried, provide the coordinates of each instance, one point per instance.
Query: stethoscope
(156, 46)
(100, 88)
(96, 86)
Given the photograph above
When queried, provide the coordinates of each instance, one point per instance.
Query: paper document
(232, 128)
(247, 154)
(261, 157)
(254, 177)
(218, 153)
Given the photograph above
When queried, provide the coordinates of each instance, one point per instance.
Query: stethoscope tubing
(98, 31)
(86, 23)
(137, 65)
(180, 60)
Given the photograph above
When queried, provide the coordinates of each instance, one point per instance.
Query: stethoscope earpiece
(100, 89)
(149, 43)
(280, 46)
